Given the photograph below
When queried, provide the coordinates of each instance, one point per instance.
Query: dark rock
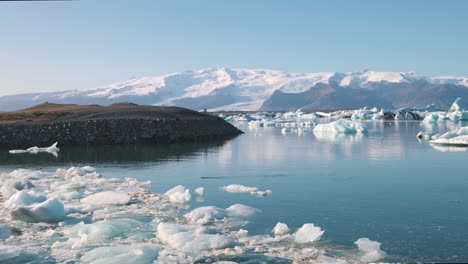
(121, 123)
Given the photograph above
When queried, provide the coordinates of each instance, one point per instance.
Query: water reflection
(113, 154)
(445, 148)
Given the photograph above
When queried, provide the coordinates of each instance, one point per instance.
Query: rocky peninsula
(121, 123)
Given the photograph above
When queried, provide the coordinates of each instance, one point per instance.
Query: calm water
(386, 185)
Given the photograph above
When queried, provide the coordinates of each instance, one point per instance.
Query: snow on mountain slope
(219, 88)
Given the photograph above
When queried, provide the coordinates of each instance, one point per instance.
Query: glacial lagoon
(385, 185)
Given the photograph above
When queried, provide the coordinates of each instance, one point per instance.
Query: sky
(64, 45)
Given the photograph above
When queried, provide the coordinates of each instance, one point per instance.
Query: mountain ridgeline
(383, 95)
(262, 89)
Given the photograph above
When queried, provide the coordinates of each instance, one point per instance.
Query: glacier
(237, 89)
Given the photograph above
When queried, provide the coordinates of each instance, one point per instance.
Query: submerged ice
(76, 215)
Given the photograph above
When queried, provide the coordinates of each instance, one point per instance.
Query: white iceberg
(456, 138)
(199, 191)
(34, 150)
(237, 188)
(107, 198)
(24, 198)
(191, 238)
(280, 229)
(370, 249)
(205, 215)
(308, 233)
(341, 126)
(50, 211)
(179, 194)
(240, 210)
(81, 234)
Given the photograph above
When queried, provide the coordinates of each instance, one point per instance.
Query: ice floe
(341, 126)
(308, 233)
(179, 194)
(237, 188)
(107, 198)
(53, 149)
(370, 249)
(110, 220)
(457, 137)
(50, 211)
(280, 229)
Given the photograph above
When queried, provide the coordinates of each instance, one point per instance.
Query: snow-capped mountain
(252, 89)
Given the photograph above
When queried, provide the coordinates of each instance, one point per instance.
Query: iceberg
(308, 233)
(370, 249)
(50, 211)
(205, 215)
(34, 150)
(237, 188)
(24, 198)
(179, 194)
(341, 126)
(456, 138)
(191, 238)
(240, 210)
(81, 234)
(280, 229)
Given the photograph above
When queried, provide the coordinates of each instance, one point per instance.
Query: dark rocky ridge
(121, 123)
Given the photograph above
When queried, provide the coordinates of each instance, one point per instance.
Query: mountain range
(264, 89)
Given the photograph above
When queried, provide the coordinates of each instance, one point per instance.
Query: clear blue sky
(48, 46)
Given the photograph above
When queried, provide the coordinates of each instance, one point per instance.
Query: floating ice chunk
(308, 233)
(9, 252)
(240, 210)
(50, 211)
(24, 198)
(370, 249)
(236, 188)
(262, 193)
(190, 238)
(341, 126)
(179, 194)
(280, 229)
(81, 235)
(456, 138)
(33, 150)
(199, 191)
(456, 141)
(107, 198)
(122, 254)
(205, 215)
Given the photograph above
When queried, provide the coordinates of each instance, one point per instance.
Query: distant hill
(254, 89)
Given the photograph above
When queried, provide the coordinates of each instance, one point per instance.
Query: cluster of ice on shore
(76, 215)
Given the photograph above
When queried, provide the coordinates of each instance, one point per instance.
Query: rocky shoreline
(121, 123)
